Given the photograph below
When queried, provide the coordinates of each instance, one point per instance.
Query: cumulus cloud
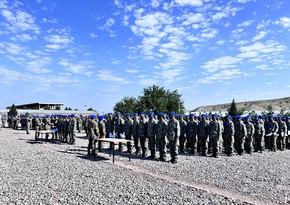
(221, 76)
(58, 39)
(221, 63)
(284, 21)
(108, 75)
(189, 2)
(81, 67)
(259, 36)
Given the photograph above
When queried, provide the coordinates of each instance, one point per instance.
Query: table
(42, 132)
(113, 142)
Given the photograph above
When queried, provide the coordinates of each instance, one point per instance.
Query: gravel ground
(55, 173)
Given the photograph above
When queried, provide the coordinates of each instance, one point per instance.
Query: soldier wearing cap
(271, 133)
(191, 134)
(248, 144)
(119, 127)
(173, 133)
(142, 131)
(288, 133)
(151, 134)
(259, 143)
(161, 132)
(135, 133)
(240, 135)
(214, 135)
(72, 128)
(93, 132)
(182, 138)
(228, 135)
(203, 133)
(102, 131)
(128, 125)
(282, 134)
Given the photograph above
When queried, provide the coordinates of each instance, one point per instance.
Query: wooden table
(113, 142)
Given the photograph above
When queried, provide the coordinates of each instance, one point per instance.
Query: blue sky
(92, 53)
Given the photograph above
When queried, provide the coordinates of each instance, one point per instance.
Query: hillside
(259, 105)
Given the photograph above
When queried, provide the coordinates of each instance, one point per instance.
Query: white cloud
(81, 67)
(243, 1)
(284, 21)
(259, 36)
(38, 65)
(221, 76)
(108, 75)
(131, 71)
(249, 54)
(192, 18)
(59, 40)
(221, 63)
(246, 23)
(155, 3)
(269, 47)
(189, 2)
(94, 36)
(209, 33)
(45, 20)
(9, 77)
(147, 82)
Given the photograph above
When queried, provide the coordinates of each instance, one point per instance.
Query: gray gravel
(56, 173)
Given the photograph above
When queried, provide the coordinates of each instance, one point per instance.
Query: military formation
(162, 135)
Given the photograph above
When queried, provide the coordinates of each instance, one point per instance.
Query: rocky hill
(259, 105)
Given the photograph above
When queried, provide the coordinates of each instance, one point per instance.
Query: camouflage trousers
(272, 140)
(152, 144)
(191, 143)
(259, 144)
(239, 145)
(173, 149)
(144, 145)
(92, 144)
(161, 142)
(137, 143)
(248, 144)
(281, 142)
(203, 143)
(214, 145)
(182, 140)
(228, 142)
(129, 144)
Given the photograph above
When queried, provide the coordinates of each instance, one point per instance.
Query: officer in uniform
(173, 133)
(259, 144)
(182, 138)
(151, 133)
(240, 135)
(228, 135)
(128, 126)
(203, 133)
(271, 132)
(191, 134)
(93, 131)
(161, 131)
(214, 135)
(135, 133)
(282, 134)
(119, 127)
(72, 128)
(142, 130)
(102, 131)
(248, 145)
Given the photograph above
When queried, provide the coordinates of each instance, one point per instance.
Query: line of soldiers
(193, 134)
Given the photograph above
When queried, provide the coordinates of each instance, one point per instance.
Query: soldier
(135, 133)
(203, 132)
(240, 134)
(47, 125)
(173, 133)
(161, 131)
(102, 131)
(151, 132)
(119, 127)
(288, 133)
(72, 128)
(110, 125)
(259, 144)
(214, 135)
(37, 127)
(93, 132)
(191, 133)
(282, 134)
(128, 126)
(228, 135)
(26, 123)
(271, 132)
(248, 144)
(142, 131)
(182, 138)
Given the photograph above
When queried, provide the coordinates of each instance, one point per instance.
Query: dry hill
(259, 105)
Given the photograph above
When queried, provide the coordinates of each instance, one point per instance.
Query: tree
(91, 109)
(13, 111)
(233, 111)
(67, 108)
(157, 99)
(126, 105)
(57, 108)
(269, 111)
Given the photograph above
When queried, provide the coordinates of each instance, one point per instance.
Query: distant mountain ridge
(258, 105)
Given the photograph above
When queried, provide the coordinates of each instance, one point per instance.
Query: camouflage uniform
(259, 144)
(203, 132)
(110, 125)
(271, 132)
(128, 125)
(161, 131)
(119, 129)
(182, 138)
(173, 133)
(72, 129)
(240, 134)
(214, 136)
(102, 131)
(248, 144)
(142, 129)
(191, 133)
(228, 135)
(151, 134)
(135, 133)
(282, 134)
(37, 127)
(288, 133)
(47, 126)
(93, 132)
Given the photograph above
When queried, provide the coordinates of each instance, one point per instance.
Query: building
(40, 106)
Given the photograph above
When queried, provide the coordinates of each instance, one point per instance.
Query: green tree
(13, 111)
(157, 99)
(126, 105)
(233, 111)
(269, 111)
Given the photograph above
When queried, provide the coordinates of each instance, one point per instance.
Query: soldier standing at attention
(128, 126)
(228, 135)
(259, 144)
(214, 135)
(161, 132)
(151, 133)
(173, 133)
(271, 132)
(182, 138)
(191, 134)
(37, 127)
(110, 125)
(288, 133)
(142, 129)
(102, 131)
(240, 134)
(119, 127)
(93, 131)
(47, 125)
(135, 133)
(282, 134)
(248, 145)
(203, 132)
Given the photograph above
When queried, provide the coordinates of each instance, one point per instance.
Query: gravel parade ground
(39, 172)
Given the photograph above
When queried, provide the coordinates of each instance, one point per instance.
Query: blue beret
(160, 114)
(101, 117)
(172, 113)
(127, 115)
(238, 117)
(270, 116)
(93, 116)
(142, 113)
(151, 113)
